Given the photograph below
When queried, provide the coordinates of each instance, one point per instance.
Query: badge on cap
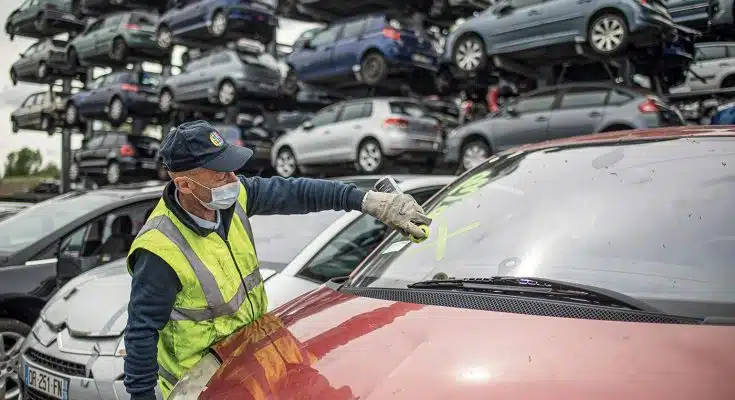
(216, 139)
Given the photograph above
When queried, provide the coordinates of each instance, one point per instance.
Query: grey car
(720, 13)
(223, 77)
(714, 62)
(526, 29)
(40, 111)
(557, 112)
(43, 62)
(364, 133)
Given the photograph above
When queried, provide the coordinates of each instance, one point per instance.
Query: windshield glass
(35, 222)
(651, 220)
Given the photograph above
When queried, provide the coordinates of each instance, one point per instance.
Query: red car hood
(332, 346)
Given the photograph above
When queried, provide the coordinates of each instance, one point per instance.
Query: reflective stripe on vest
(168, 376)
(216, 305)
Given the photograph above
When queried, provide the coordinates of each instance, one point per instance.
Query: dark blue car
(365, 48)
(114, 97)
(214, 22)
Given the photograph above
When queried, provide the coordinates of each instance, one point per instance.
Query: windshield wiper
(540, 287)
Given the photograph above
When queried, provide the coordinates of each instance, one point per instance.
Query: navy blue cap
(198, 145)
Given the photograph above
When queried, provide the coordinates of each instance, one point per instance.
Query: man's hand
(399, 211)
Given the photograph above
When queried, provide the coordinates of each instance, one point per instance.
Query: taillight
(648, 106)
(239, 142)
(127, 150)
(132, 27)
(391, 33)
(126, 87)
(398, 123)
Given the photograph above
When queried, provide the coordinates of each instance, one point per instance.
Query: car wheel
(74, 172)
(164, 37)
(113, 173)
(71, 114)
(119, 50)
(40, 23)
(608, 34)
(469, 53)
(219, 24)
(116, 112)
(13, 76)
(473, 154)
(46, 124)
(14, 125)
(227, 94)
(373, 68)
(286, 164)
(12, 336)
(165, 101)
(369, 157)
(42, 72)
(291, 84)
(72, 58)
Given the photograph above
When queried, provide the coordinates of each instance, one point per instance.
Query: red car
(597, 268)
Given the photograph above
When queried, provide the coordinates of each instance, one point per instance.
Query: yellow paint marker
(387, 184)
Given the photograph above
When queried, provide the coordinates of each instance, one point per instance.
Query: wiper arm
(539, 287)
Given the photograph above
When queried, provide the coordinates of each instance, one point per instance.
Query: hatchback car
(82, 8)
(42, 18)
(557, 112)
(364, 133)
(223, 77)
(714, 63)
(40, 111)
(43, 62)
(116, 157)
(579, 295)
(525, 29)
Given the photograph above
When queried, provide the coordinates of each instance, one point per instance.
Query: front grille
(57, 365)
(33, 394)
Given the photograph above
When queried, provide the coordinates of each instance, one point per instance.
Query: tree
(23, 162)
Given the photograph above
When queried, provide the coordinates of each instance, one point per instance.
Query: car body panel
(56, 14)
(48, 52)
(139, 97)
(715, 63)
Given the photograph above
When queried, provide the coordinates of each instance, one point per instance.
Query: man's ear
(183, 184)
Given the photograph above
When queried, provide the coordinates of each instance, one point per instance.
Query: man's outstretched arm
(152, 296)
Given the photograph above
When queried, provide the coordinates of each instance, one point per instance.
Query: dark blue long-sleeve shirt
(155, 284)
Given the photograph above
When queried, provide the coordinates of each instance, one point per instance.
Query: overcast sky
(12, 97)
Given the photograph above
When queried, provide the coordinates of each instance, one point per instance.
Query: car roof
(583, 85)
(122, 192)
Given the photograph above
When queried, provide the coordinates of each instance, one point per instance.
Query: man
(194, 263)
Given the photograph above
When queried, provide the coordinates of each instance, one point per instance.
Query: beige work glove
(399, 211)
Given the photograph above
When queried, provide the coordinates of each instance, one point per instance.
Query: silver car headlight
(195, 381)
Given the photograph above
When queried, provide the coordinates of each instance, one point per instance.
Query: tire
(469, 53)
(119, 50)
(71, 114)
(72, 58)
(473, 153)
(608, 34)
(291, 84)
(286, 165)
(728, 82)
(116, 112)
(227, 93)
(370, 158)
(373, 68)
(42, 72)
(218, 28)
(14, 125)
(40, 23)
(47, 124)
(13, 333)
(113, 175)
(74, 172)
(164, 37)
(13, 77)
(165, 101)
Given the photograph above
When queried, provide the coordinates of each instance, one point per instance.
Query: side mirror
(22, 55)
(307, 126)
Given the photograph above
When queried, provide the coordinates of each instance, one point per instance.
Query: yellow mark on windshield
(442, 237)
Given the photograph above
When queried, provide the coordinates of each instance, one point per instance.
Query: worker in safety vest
(194, 263)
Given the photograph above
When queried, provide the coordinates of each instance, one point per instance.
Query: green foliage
(27, 162)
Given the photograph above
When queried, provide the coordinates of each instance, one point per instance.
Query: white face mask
(223, 197)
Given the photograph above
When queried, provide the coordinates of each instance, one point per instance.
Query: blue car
(366, 49)
(215, 22)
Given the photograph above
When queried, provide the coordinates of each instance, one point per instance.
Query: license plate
(421, 58)
(52, 385)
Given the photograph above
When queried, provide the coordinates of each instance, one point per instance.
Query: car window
(220, 59)
(408, 108)
(356, 111)
(535, 104)
(31, 50)
(326, 37)
(142, 20)
(326, 116)
(196, 65)
(309, 34)
(112, 21)
(353, 29)
(96, 25)
(706, 53)
(617, 98)
(29, 100)
(111, 140)
(27, 4)
(95, 142)
(149, 79)
(40, 99)
(583, 99)
(524, 3)
(346, 250)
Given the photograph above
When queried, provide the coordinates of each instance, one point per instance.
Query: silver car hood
(94, 304)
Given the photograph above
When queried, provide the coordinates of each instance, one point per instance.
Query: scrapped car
(603, 278)
(208, 22)
(82, 8)
(117, 39)
(42, 18)
(115, 97)
(713, 67)
(46, 245)
(556, 112)
(116, 157)
(527, 29)
(222, 77)
(366, 133)
(40, 112)
(366, 50)
(43, 62)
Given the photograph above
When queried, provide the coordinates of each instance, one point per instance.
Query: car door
(37, 108)
(525, 121)
(25, 66)
(22, 114)
(96, 99)
(579, 112)
(106, 33)
(187, 15)
(85, 43)
(310, 147)
(190, 82)
(347, 48)
(709, 61)
(85, 103)
(26, 12)
(312, 63)
(516, 23)
(344, 135)
(87, 160)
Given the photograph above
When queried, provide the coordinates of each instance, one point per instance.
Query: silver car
(714, 62)
(39, 111)
(364, 132)
(223, 77)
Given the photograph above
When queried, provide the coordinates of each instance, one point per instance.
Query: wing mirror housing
(307, 126)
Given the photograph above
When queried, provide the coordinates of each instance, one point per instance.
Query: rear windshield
(149, 79)
(59, 43)
(408, 109)
(143, 20)
(142, 140)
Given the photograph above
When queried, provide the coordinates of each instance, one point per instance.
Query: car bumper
(131, 166)
(399, 143)
(261, 89)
